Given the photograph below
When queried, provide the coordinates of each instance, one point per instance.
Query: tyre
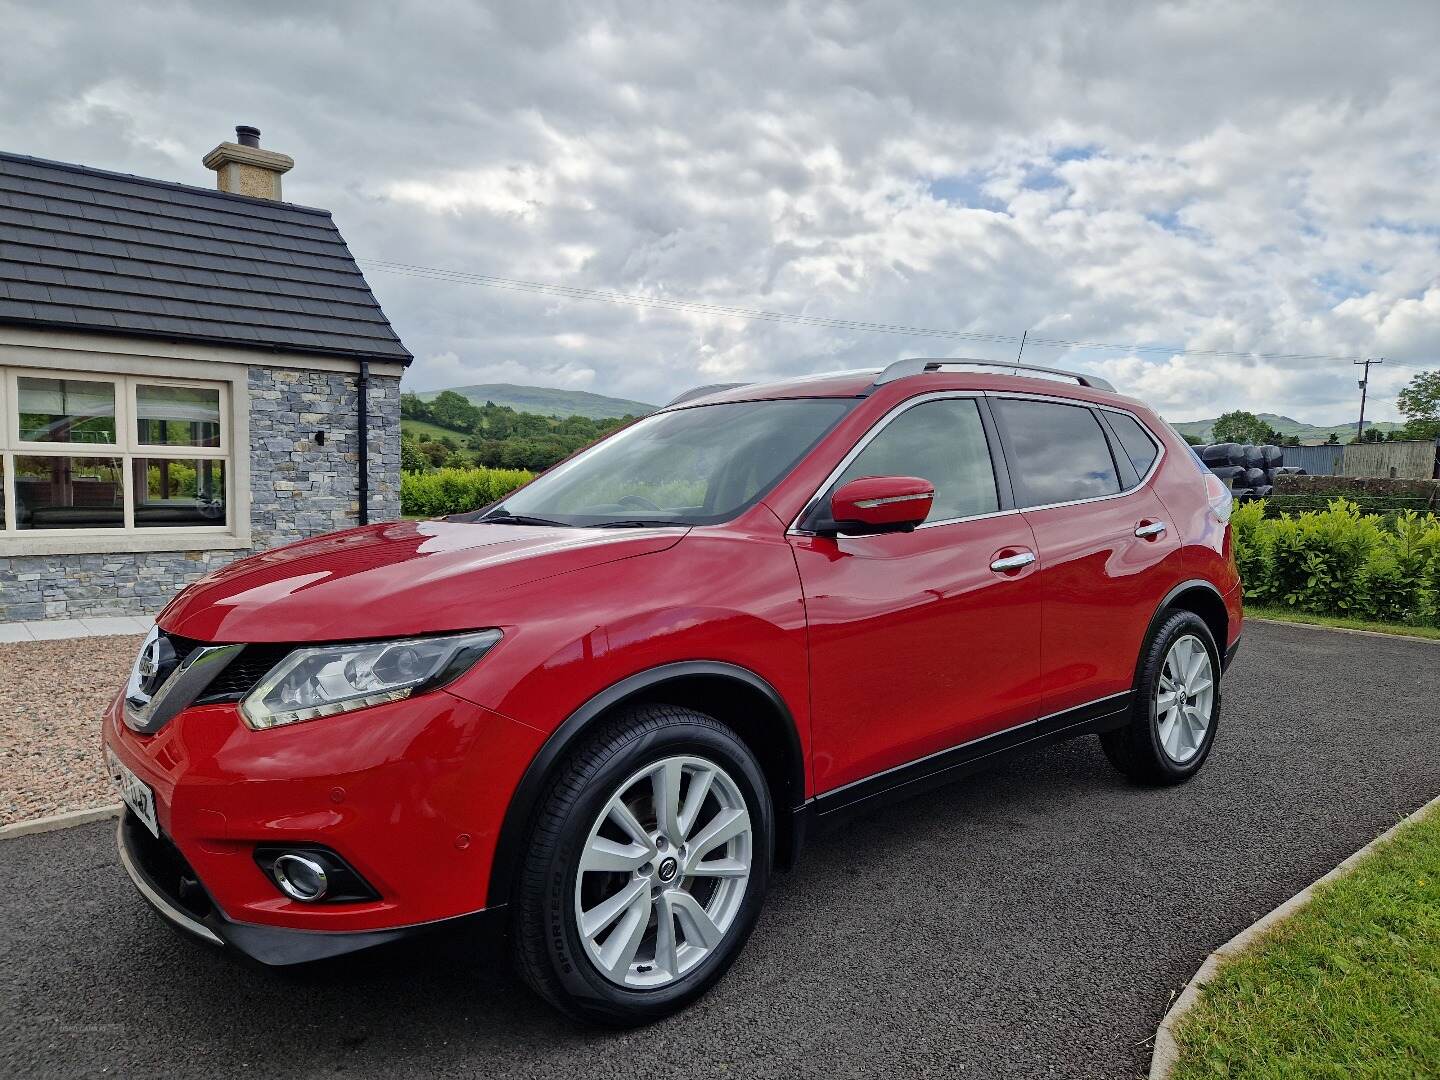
(1177, 705)
(646, 867)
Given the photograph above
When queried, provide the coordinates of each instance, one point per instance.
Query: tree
(1333, 440)
(1193, 440)
(1241, 427)
(411, 458)
(454, 411)
(1419, 403)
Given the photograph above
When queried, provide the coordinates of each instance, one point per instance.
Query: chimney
(242, 168)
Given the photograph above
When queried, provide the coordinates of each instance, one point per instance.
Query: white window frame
(233, 400)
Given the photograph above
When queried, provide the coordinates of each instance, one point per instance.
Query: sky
(1190, 177)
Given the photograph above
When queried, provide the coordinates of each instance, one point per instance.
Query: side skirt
(904, 781)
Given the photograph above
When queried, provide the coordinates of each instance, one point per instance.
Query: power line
(491, 281)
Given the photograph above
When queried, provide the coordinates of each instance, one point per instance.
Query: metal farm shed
(1316, 460)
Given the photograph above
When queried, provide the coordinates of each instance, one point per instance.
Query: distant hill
(1309, 433)
(547, 401)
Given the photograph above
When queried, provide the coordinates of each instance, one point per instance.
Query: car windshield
(695, 466)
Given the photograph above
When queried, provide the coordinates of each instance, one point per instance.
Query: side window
(942, 441)
(1139, 447)
(1056, 453)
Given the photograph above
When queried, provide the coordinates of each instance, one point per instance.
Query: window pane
(1057, 453)
(940, 441)
(68, 493)
(66, 410)
(2, 492)
(1139, 447)
(177, 416)
(178, 492)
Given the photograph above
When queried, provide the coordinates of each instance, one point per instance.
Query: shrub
(1251, 542)
(454, 491)
(1339, 561)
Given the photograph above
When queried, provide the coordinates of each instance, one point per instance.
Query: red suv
(606, 707)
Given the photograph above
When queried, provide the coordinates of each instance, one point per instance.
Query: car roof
(975, 375)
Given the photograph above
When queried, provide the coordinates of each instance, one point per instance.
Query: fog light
(300, 877)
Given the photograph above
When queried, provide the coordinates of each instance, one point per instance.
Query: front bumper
(167, 881)
(411, 795)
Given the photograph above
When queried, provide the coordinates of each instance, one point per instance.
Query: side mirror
(880, 504)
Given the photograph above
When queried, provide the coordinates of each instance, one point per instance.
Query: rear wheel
(1177, 705)
(646, 868)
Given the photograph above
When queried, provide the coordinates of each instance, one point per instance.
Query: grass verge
(1347, 987)
(1398, 629)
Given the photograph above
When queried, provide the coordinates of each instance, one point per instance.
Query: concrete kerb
(52, 822)
(1167, 1051)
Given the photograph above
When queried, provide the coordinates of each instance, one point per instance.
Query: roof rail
(702, 391)
(903, 369)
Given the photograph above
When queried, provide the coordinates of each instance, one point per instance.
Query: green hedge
(454, 491)
(1339, 561)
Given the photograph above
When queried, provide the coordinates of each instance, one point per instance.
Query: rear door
(924, 640)
(1108, 552)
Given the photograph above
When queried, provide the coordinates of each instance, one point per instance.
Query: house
(186, 376)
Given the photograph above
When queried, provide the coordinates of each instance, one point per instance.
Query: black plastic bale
(1225, 453)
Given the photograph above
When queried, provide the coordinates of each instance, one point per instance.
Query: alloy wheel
(1184, 698)
(663, 871)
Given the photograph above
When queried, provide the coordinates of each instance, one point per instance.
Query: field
(428, 432)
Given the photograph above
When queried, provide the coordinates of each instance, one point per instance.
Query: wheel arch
(1203, 599)
(730, 693)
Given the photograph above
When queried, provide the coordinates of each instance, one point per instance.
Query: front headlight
(332, 679)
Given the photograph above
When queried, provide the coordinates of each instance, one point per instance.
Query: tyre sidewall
(1178, 625)
(588, 988)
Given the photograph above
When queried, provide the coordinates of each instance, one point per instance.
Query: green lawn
(1287, 615)
(428, 432)
(1348, 987)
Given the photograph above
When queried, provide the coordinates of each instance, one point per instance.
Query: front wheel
(646, 868)
(1177, 705)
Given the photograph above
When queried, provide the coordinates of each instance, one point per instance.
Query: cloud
(1212, 176)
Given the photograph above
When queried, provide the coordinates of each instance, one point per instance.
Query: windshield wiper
(642, 523)
(507, 518)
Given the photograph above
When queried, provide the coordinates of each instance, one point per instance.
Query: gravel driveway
(1032, 922)
(51, 695)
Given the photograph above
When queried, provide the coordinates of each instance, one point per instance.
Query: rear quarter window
(1137, 443)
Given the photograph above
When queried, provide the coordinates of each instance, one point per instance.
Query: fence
(1410, 460)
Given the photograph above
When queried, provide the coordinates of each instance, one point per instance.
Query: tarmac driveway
(1032, 922)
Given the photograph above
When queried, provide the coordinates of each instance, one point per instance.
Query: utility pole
(1364, 389)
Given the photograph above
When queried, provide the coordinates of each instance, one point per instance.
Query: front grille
(243, 673)
(240, 675)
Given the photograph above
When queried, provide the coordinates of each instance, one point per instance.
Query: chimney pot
(246, 135)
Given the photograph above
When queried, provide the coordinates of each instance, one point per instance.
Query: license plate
(136, 793)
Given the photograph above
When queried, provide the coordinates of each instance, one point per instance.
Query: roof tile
(112, 252)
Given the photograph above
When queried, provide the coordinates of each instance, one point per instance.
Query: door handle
(1013, 562)
(1154, 528)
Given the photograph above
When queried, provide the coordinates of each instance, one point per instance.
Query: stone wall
(1417, 494)
(300, 486)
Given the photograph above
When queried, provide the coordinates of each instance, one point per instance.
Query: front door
(924, 640)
